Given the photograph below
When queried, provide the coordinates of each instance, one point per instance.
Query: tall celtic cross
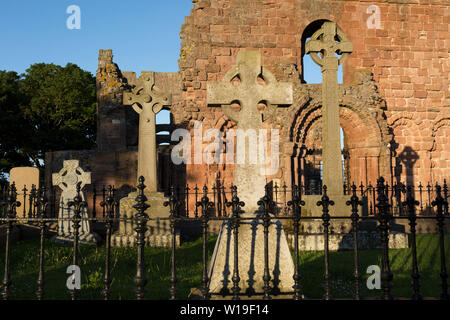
(249, 91)
(328, 41)
(147, 100)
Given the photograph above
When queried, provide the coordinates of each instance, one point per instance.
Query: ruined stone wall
(111, 115)
(407, 55)
(114, 162)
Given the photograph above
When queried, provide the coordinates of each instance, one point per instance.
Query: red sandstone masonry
(408, 57)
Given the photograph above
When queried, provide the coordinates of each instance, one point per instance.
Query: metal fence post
(440, 203)
(11, 214)
(384, 217)
(236, 205)
(355, 202)
(325, 202)
(41, 204)
(140, 280)
(205, 204)
(296, 203)
(108, 204)
(173, 204)
(411, 204)
(78, 204)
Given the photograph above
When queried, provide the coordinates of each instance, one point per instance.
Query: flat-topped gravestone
(250, 180)
(24, 178)
(67, 179)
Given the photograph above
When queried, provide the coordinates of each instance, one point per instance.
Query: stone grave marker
(324, 41)
(24, 177)
(250, 183)
(147, 100)
(322, 47)
(249, 93)
(67, 179)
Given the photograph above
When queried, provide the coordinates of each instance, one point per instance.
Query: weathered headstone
(147, 100)
(250, 183)
(24, 178)
(67, 179)
(249, 93)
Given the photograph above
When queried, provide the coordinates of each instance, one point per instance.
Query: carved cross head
(70, 175)
(327, 41)
(147, 96)
(248, 84)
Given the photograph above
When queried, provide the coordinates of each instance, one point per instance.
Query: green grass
(341, 270)
(25, 261)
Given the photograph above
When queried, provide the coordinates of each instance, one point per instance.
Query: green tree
(13, 127)
(50, 108)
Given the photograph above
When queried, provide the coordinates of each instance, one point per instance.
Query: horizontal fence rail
(219, 194)
(222, 204)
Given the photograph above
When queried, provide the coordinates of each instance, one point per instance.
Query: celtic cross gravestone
(250, 180)
(249, 93)
(147, 100)
(67, 179)
(327, 41)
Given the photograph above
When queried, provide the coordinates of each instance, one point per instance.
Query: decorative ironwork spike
(173, 203)
(12, 202)
(204, 202)
(41, 202)
(235, 203)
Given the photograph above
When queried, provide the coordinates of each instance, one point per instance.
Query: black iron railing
(188, 195)
(206, 210)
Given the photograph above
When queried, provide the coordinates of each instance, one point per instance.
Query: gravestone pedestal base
(158, 234)
(367, 240)
(339, 208)
(90, 238)
(311, 236)
(251, 258)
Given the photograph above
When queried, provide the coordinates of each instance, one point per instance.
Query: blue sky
(144, 35)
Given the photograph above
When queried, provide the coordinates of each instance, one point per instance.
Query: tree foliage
(13, 126)
(48, 108)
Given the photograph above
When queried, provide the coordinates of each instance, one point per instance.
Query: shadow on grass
(25, 262)
(342, 267)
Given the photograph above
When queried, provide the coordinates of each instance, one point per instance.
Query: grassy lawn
(25, 261)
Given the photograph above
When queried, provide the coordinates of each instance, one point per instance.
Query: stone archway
(364, 144)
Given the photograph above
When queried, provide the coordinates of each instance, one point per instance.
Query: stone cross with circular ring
(147, 100)
(328, 41)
